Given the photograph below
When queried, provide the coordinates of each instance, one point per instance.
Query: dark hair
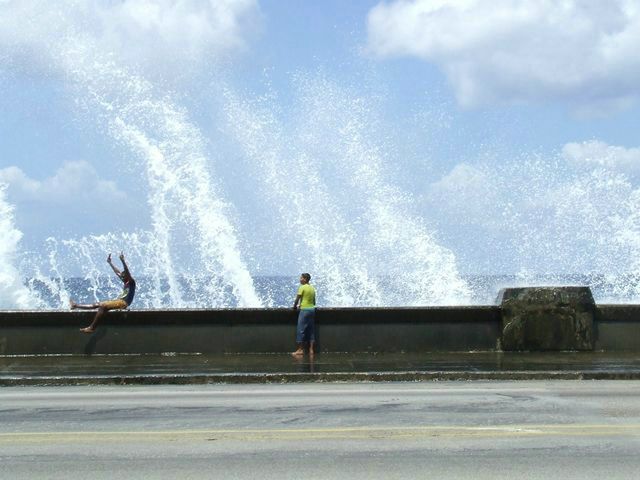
(306, 276)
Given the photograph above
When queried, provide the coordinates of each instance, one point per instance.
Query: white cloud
(509, 51)
(72, 200)
(76, 185)
(595, 153)
(157, 35)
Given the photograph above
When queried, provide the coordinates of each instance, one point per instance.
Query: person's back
(307, 296)
(306, 301)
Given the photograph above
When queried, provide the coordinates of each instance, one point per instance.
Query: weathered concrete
(618, 328)
(547, 318)
(251, 331)
(426, 329)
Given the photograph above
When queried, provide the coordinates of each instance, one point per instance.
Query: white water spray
(182, 193)
(339, 126)
(292, 184)
(13, 293)
(327, 150)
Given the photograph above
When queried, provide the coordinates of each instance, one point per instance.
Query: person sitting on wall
(306, 330)
(123, 301)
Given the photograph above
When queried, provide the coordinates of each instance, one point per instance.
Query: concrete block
(547, 318)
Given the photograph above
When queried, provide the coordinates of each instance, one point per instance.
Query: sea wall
(617, 327)
(425, 329)
(251, 330)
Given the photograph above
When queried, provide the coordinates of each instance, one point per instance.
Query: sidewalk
(333, 367)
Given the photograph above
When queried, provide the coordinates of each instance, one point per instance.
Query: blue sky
(458, 96)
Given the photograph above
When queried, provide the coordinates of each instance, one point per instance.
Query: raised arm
(126, 272)
(117, 272)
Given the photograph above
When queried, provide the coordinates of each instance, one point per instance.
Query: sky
(507, 129)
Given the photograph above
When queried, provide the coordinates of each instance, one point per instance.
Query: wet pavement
(257, 368)
(534, 430)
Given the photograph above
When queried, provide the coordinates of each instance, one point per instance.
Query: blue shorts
(306, 331)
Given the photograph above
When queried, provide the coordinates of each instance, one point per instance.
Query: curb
(265, 378)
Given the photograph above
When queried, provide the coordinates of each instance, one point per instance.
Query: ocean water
(280, 291)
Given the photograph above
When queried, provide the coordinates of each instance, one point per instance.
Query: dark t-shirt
(128, 291)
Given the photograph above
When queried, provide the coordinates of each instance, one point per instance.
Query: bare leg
(92, 328)
(75, 306)
(312, 349)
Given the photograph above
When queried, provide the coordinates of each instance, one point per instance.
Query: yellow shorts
(114, 304)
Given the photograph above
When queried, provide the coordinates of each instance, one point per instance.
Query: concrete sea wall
(617, 327)
(251, 331)
(424, 329)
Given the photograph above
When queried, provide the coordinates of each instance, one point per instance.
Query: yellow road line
(344, 433)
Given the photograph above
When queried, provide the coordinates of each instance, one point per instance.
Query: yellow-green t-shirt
(308, 294)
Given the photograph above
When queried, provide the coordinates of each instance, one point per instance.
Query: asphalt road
(497, 430)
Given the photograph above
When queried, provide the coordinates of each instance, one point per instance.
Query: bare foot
(298, 353)
(87, 330)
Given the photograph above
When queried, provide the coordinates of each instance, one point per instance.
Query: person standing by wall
(306, 302)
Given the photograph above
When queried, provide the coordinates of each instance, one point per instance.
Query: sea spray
(357, 228)
(566, 223)
(545, 220)
(339, 124)
(13, 292)
(77, 269)
(193, 244)
(182, 192)
(293, 185)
